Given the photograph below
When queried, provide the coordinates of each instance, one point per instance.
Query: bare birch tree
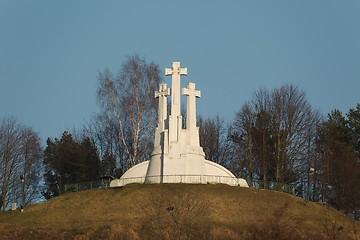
(128, 101)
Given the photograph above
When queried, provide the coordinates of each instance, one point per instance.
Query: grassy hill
(177, 211)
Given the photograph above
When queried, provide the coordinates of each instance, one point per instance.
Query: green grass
(177, 211)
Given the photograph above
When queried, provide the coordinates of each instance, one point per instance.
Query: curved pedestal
(215, 174)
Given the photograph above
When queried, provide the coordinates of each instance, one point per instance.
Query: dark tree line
(278, 138)
(338, 177)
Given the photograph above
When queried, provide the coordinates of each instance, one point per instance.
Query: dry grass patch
(180, 211)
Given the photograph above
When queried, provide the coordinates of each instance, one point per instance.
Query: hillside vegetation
(177, 211)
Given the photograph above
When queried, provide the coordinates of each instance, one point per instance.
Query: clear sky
(52, 51)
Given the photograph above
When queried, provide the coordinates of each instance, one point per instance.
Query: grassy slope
(209, 211)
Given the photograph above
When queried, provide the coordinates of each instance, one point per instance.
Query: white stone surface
(136, 174)
(192, 131)
(177, 156)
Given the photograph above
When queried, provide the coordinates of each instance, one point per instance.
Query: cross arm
(188, 92)
(171, 71)
(163, 92)
(168, 71)
(183, 71)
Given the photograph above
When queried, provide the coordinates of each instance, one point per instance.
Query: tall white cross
(175, 71)
(192, 94)
(162, 109)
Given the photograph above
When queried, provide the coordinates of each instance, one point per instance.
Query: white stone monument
(177, 156)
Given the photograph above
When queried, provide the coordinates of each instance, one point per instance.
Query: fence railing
(74, 187)
(204, 179)
(275, 186)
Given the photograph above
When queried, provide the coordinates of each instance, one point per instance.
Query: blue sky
(52, 51)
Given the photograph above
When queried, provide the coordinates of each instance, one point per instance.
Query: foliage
(339, 166)
(68, 161)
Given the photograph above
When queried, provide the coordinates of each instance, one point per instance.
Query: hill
(177, 211)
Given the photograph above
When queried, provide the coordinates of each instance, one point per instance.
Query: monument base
(215, 174)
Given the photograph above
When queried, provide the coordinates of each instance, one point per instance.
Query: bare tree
(242, 137)
(291, 118)
(20, 163)
(127, 101)
(103, 131)
(214, 139)
(31, 167)
(10, 134)
(272, 132)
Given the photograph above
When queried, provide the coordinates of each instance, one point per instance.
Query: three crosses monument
(177, 156)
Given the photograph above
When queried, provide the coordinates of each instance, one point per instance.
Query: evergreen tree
(108, 165)
(68, 161)
(339, 166)
(354, 125)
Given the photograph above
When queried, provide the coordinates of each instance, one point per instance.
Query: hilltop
(177, 211)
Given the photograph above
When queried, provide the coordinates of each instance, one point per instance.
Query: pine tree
(69, 161)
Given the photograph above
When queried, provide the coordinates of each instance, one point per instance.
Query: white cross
(174, 125)
(175, 71)
(162, 109)
(191, 94)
